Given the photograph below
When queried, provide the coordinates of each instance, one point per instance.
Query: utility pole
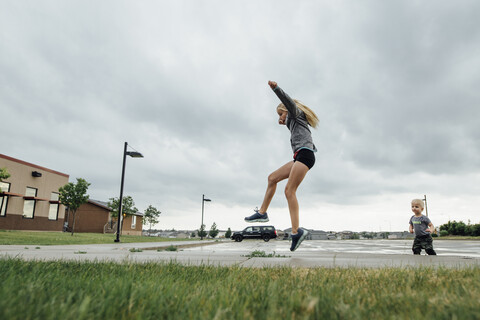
(426, 209)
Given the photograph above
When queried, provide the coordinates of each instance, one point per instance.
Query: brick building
(29, 201)
(94, 216)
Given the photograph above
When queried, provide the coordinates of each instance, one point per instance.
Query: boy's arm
(410, 228)
(430, 229)
(284, 98)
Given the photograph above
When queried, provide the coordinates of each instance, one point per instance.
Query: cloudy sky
(394, 83)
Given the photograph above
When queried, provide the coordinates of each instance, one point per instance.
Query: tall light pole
(133, 154)
(426, 209)
(203, 201)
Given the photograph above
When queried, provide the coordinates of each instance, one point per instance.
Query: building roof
(103, 204)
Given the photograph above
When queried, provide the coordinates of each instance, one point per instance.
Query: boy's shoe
(298, 238)
(257, 217)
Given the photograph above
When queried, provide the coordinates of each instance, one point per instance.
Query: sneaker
(257, 217)
(298, 238)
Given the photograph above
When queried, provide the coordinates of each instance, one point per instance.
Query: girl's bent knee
(289, 193)
(272, 179)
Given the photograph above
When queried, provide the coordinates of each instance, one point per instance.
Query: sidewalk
(226, 253)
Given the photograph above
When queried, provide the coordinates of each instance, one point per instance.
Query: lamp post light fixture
(133, 154)
(203, 201)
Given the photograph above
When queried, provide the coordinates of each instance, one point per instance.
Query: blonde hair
(312, 118)
(418, 201)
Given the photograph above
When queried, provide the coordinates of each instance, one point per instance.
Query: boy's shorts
(305, 156)
(423, 242)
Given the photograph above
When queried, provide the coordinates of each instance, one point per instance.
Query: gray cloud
(393, 83)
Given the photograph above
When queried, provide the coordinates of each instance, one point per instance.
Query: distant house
(165, 234)
(95, 216)
(345, 235)
(184, 234)
(401, 235)
(317, 235)
(312, 234)
(29, 197)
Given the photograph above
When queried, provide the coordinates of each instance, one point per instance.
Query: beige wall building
(29, 197)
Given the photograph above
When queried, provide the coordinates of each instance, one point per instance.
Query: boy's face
(417, 208)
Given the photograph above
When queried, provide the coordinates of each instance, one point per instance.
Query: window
(4, 187)
(134, 221)
(29, 204)
(53, 210)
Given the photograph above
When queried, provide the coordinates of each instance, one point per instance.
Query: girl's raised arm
(286, 100)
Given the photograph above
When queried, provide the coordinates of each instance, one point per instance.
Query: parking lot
(313, 253)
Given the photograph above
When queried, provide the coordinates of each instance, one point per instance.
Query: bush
(460, 228)
(443, 233)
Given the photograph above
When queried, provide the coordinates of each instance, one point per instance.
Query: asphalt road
(313, 253)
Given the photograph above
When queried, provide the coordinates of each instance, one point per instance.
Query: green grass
(12, 237)
(108, 290)
(457, 238)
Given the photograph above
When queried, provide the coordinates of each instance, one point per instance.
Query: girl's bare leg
(275, 177)
(296, 176)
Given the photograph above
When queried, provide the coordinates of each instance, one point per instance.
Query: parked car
(256, 232)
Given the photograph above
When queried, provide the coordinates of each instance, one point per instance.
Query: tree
(213, 230)
(128, 207)
(228, 234)
(73, 196)
(460, 229)
(202, 233)
(475, 230)
(151, 215)
(4, 174)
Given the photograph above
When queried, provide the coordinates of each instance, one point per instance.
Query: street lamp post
(203, 201)
(426, 209)
(133, 154)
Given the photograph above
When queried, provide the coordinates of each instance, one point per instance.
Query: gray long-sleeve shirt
(300, 134)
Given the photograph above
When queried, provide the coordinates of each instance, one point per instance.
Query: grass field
(456, 238)
(107, 290)
(9, 237)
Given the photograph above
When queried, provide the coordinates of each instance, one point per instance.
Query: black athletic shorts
(305, 156)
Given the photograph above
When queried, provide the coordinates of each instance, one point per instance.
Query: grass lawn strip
(45, 238)
(108, 290)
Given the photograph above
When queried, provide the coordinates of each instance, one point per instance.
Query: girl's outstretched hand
(272, 84)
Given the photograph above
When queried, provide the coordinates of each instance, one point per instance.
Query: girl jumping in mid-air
(297, 117)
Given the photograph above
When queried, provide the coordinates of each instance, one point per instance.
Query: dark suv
(258, 232)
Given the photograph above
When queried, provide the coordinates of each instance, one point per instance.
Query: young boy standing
(423, 227)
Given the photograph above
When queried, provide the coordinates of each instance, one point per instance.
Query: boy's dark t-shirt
(420, 224)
